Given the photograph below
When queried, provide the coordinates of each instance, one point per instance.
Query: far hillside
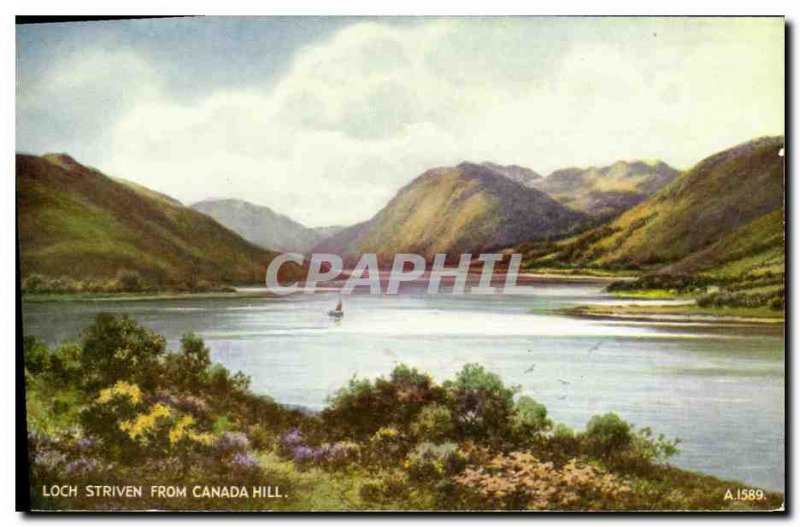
(721, 222)
(82, 230)
(607, 191)
(262, 226)
(467, 208)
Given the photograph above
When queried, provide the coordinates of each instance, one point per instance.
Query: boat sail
(338, 312)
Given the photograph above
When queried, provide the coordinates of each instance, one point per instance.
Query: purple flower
(81, 466)
(303, 453)
(244, 460)
(292, 438)
(85, 443)
(233, 442)
(48, 459)
(192, 405)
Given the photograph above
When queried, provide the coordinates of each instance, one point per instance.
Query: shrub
(530, 417)
(117, 348)
(189, 368)
(35, 355)
(34, 283)
(519, 481)
(608, 434)
(481, 404)
(429, 463)
(362, 407)
(129, 281)
(434, 423)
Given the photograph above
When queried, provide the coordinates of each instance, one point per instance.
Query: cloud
(359, 115)
(75, 103)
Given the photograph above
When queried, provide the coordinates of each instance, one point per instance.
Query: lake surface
(719, 388)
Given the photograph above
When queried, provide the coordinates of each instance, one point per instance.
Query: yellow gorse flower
(183, 428)
(177, 431)
(386, 431)
(144, 422)
(203, 438)
(120, 389)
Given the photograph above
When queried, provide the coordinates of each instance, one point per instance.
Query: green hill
(706, 205)
(78, 223)
(755, 248)
(606, 191)
(467, 208)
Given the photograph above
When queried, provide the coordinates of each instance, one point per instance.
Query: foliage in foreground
(118, 408)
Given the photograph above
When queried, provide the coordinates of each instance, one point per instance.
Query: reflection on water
(720, 389)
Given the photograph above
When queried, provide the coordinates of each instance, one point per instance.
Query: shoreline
(680, 313)
(140, 297)
(256, 291)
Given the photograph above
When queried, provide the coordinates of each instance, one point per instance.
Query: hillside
(78, 223)
(451, 210)
(606, 191)
(260, 225)
(731, 190)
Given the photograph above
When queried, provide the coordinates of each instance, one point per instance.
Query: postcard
(495, 263)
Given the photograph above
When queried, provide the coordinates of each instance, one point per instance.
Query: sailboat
(338, 312)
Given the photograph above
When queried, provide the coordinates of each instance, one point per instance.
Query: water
(720, 389)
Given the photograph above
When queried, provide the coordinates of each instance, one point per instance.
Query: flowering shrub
(120, 389)
(386, 447)
(243, 460)
(520, 481)
(232, 442)
(429, 462)
(434, 423)
(63, 455)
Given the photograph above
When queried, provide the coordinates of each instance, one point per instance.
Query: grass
(648, 293)
(583, 271)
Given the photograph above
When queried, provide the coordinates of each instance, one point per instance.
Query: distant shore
(144, 296)
(676, 313)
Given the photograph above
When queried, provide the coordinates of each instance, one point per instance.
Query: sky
(325, 118)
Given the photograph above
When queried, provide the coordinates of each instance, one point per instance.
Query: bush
(362, 407)
(129, 281)
(519, 481)
(35, 354)
(429, 463)
(34, 283)
(115, 348)
(188, 369)
(434, 423)
(481, 404)
(530, 417)
(608, 434)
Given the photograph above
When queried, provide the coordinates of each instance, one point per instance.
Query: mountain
(467, 208)
(522, 175)
(727, 208)
(261, 225)
(327, 231)
(606, 191)
(76, 222)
